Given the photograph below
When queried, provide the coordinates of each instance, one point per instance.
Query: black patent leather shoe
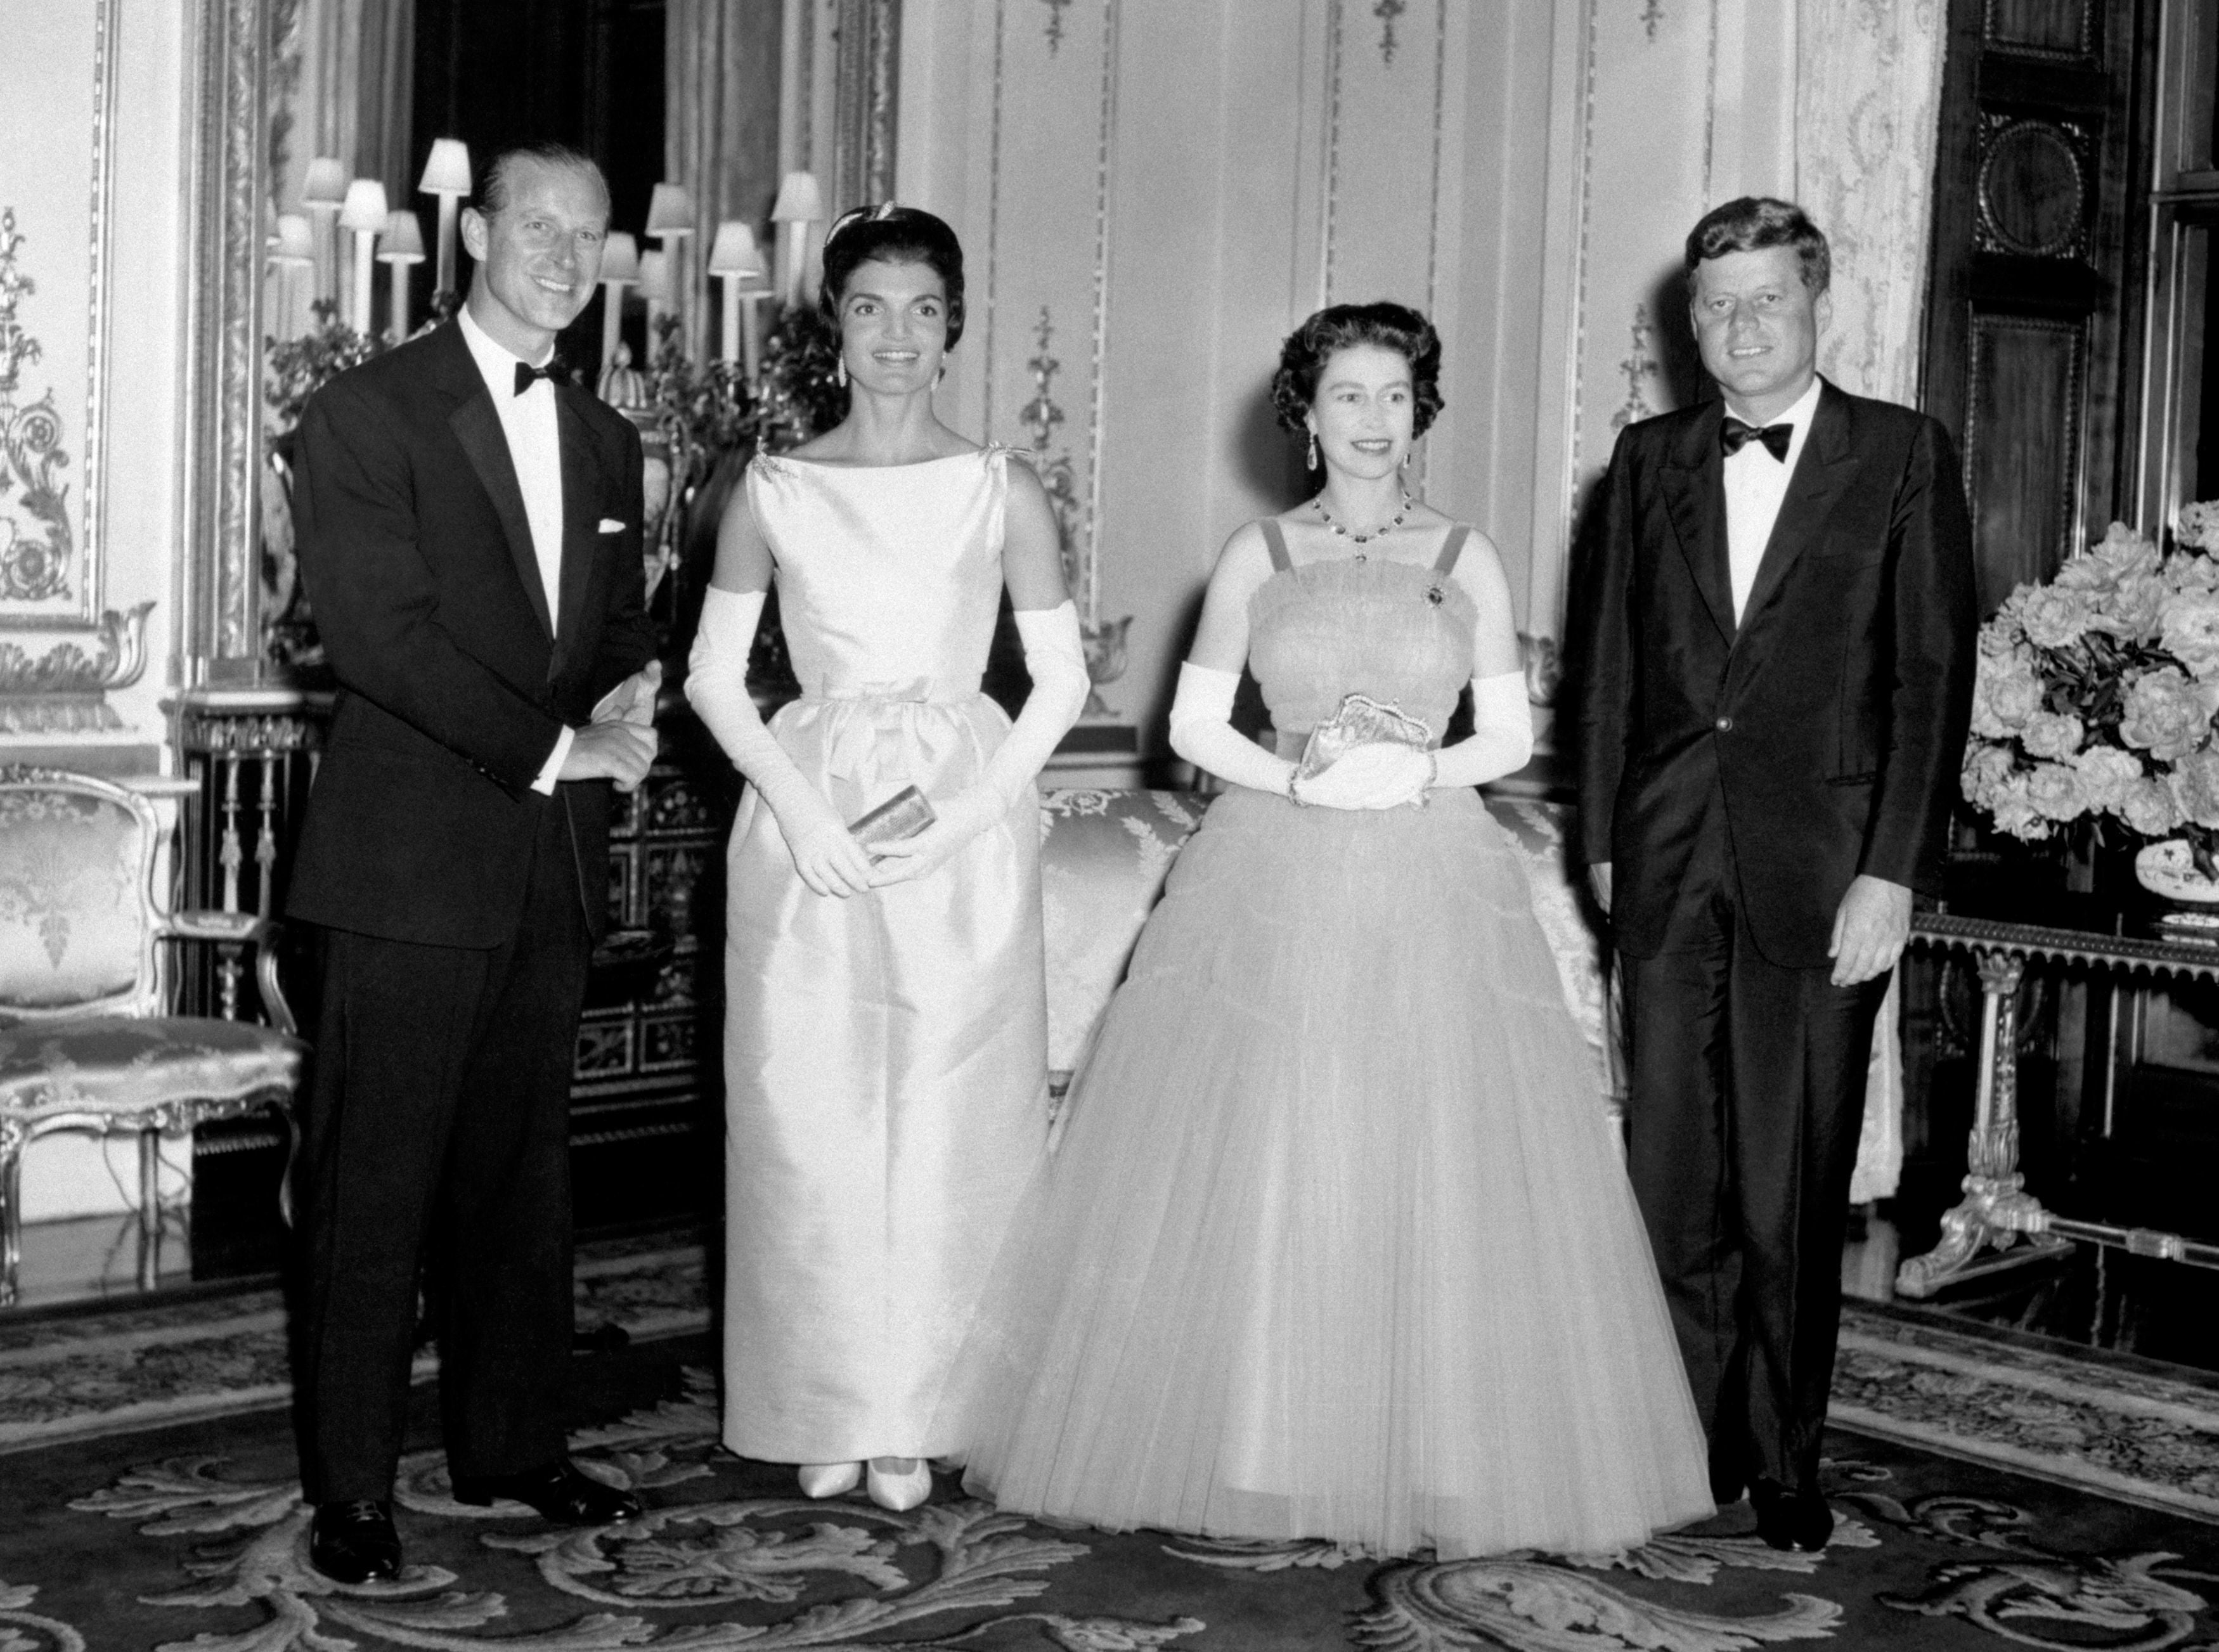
(355, 1542)
(559, 1492)
(1787, 1519)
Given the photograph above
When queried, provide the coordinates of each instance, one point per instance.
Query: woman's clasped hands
(832, 862)
(1382, 774)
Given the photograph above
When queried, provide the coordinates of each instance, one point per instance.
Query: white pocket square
(610, 525)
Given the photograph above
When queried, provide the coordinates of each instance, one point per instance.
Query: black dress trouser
(437, 1121)
(1746, 1096)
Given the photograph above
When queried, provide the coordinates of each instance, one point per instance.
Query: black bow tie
(553, 373)
(1733, 436)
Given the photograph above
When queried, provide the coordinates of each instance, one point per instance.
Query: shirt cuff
(556, 759)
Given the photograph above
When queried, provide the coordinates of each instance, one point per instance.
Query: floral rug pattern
(708, 1570)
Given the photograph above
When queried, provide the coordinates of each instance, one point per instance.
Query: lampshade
(295, 240)
(447, 169)
(326, 184)
(654, 276)
(735, 252)
(670, 212)
(619, 258)
(365, 210)
(799, 199)
(404, 239)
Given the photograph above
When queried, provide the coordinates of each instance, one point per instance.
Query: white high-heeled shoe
(899, 1492)
(830, 1479)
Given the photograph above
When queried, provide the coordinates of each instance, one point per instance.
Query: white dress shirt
(1756, 484)
(535, 447)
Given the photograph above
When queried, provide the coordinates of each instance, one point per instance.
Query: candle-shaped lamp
(323, 192)
(364, 214)
(799, 204)
(619, 270)
(737, 267)
(669, 222)
(403, 248)
(292, 250)
(447, 174)
(655, 288)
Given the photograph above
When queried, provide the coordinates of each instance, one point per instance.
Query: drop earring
(1314, 452)
(840, 372)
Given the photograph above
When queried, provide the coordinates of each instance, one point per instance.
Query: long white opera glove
(1203, 732)
(1501, 737)
(824, 852)
(1056, 659)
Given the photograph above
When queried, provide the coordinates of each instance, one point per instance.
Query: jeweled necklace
(1361, 538)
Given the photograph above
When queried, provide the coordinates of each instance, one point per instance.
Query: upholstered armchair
(84, 1043)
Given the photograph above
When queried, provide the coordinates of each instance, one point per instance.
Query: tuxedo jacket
(1829, 721)
(418, 561)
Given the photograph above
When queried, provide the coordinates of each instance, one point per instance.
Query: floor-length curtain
(366, 62)
(1868, 103)
(720, 139)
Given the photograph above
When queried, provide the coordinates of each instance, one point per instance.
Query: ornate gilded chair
(84, 1043)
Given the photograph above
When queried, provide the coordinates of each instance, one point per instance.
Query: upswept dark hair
(1341, 326)
(892, 234)
(492, 190)
(1755, 223)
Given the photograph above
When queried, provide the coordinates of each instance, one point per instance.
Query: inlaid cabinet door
(2032, 319)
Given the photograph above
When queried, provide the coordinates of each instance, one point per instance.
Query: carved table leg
(12, 1136)
(150, 1209)
(1996, 1210)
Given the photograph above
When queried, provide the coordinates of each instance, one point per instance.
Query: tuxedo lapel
(583, 494)
(1694, 478)
(478, 428)
(1823, 474)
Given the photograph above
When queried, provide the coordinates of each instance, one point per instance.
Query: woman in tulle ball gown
(885, 1033)
(1336, 1243)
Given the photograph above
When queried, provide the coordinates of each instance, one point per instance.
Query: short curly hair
(892, 234)
(1342, 327)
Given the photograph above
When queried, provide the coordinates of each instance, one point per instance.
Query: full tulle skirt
(885, 1094)
(1336, 1243)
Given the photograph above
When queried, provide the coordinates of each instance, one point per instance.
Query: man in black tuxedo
(1772, 667)
(469, 534)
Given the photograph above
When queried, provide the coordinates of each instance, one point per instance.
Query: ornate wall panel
(57, 120)
(2061, 30)
(2022, 474)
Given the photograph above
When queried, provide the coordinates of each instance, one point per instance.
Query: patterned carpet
(150, 1503)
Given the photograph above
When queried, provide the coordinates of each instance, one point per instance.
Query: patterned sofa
(1105, 854)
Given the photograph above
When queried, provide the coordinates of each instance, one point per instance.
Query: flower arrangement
(2096, 695)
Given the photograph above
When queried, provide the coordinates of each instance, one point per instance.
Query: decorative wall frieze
(1387, 11)
(38, 553)
(61, 691)
(1104, 642)
(1640, 367)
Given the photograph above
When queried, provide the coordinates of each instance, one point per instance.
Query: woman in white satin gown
(886, 1035)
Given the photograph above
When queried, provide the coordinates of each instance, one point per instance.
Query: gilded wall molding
(221, 631)
(63, 690)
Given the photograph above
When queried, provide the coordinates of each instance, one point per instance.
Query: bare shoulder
(1479, 569)
(1245, 559)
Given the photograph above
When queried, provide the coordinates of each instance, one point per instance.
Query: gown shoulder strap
(1275, 543)
(1452, 549)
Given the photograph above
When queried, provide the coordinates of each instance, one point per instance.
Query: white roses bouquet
(2097, 693)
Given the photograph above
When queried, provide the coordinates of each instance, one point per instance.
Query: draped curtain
(365, 71)
(1867, 104)
(720, 134)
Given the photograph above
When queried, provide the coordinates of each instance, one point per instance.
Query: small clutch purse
(902, 816)
(1361, 721)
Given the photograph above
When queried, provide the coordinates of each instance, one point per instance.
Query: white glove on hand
(1501, 737)
(825, 854)
(1383, 774)
(1203, 732)
(1056, 659)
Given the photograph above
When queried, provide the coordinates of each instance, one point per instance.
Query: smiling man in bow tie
(469, 538)
(1771, 671)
